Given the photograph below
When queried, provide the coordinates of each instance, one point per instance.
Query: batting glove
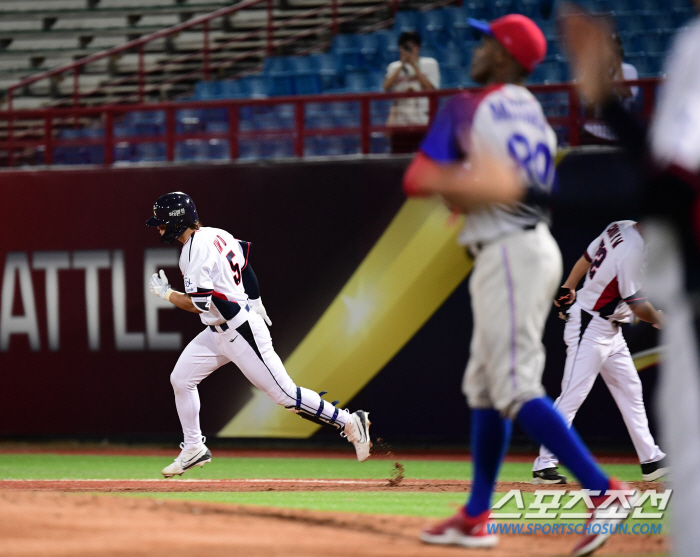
(159, 284)
(257, 306)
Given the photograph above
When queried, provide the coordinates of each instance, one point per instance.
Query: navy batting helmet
(177, 212)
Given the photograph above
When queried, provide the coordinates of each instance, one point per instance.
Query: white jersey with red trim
(615, 274)
(211, 262)
(507, 122)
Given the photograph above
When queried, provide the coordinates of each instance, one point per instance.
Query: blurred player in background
(222, 288)
(669, 155)
(517, 268)
(611, 295)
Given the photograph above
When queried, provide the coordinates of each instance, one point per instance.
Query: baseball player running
(517, 268)
(222, 288)
(610, 296)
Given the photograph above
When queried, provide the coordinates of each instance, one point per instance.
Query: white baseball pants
(595, 345)
(511, 287)
(249, 346)
(678, 403)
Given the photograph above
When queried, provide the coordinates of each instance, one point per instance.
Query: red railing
(267, 33)
(106, 116)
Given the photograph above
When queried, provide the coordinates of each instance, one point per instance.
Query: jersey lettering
(598, 260)
(536, 162)
(235, 268)
(615, 235)
(218, 245)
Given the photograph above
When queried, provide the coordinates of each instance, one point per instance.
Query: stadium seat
(357, 82)
(307, 84)
(280, 84)
(406, 21)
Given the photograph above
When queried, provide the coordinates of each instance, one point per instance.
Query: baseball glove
(563, 301)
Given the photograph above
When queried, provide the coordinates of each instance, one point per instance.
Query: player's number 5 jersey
(212, 262)
(615, 275)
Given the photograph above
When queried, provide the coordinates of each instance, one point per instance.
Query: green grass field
(424, 504)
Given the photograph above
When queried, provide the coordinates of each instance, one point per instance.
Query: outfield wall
(86, 350)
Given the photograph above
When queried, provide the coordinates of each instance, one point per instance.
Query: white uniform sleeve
(592, 248)
(629, 274)
(675, 133)
(198, 281)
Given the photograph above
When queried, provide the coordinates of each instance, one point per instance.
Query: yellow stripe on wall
(405, 278)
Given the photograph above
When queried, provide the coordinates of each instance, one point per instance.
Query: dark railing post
(574, 117)
(364, 126)
(270, 27)
(170, 133)
(76, 86)
(299, 129)
(233, 131)
(649, 94)
(10, 140)
(109, 137)
(205, 53)
(432, 107)
(141, 76)
(48, 140)
(334, 16)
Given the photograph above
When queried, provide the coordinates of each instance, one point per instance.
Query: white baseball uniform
(675, 143)
(517, 265)
(594, 340)
(213, 264)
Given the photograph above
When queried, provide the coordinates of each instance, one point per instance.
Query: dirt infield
(184, 485)
(58, 524)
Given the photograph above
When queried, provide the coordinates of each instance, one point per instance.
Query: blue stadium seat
(256, 86)
(406, 20)
(379, 144)
(307, 84)
(379, 112)
(432, 27)
(357, 81)
(149, 152)
(369, 50)
(277, 64)
(233, 89)
(500, 8)
(451, 57)
(218, 149)
(376, 81)
(191, 150)
(207, 90)
(301, 64)
(280, 84)
(347, 49)
(278, 147)
(188, 121)
(449, 77)
(328, 68)
(249, 149)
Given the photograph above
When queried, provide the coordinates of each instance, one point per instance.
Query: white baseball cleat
(357, 432)
(197, 456)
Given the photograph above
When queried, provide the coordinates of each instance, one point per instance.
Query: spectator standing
(411, 72)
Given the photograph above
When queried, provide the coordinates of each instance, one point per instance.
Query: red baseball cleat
(604, 522)
(463, 530)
